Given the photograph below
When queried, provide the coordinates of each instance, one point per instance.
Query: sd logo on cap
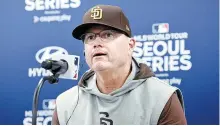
(96, 13)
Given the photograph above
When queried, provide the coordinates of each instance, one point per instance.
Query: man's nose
(98, 42)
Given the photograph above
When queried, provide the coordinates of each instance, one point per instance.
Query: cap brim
(81, 29)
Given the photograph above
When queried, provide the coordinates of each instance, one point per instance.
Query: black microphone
(56, 67)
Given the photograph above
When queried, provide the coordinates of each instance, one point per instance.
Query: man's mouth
(99, 54)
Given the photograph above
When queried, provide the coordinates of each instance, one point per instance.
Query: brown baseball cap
(107, 15)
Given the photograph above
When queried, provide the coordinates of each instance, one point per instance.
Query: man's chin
(100, 66)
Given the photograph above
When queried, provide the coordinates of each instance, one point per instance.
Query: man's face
(109, 50)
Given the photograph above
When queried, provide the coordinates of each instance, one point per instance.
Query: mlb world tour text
(164, 52)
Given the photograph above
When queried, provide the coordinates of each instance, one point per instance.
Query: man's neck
(110, 80)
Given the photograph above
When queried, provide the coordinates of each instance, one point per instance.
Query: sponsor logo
(49, 52)
(54, 10)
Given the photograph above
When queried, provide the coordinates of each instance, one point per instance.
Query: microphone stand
(56, 68)
(51, 79)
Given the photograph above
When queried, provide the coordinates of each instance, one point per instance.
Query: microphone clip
(56, 68)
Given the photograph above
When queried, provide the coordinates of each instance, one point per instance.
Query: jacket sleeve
(55, 120)
(172, 113)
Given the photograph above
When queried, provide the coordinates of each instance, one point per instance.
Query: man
(118, 89)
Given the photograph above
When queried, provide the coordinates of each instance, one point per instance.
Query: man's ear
(131, 43)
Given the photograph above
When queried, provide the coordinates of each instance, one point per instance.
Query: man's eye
(108, 35)
(90, 37)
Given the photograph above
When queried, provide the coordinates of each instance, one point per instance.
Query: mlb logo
(49, 104)
(76, 68)
(160, 28)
